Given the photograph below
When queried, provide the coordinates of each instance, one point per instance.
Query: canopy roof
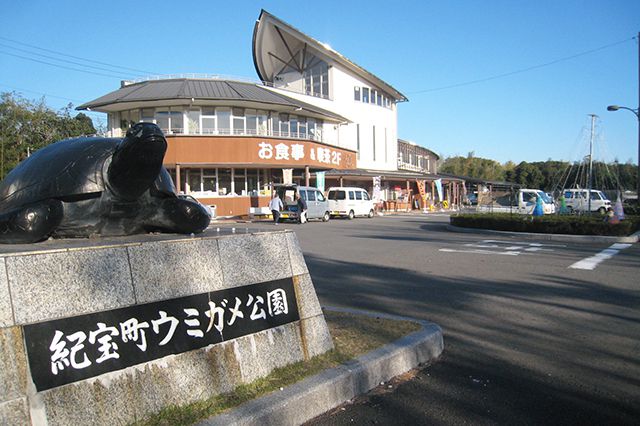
(277, 44)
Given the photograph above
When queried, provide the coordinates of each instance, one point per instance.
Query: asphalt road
(528, 339)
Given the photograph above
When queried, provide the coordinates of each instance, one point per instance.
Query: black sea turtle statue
(96, 186)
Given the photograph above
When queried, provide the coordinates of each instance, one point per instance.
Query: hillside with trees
(26, 126)
(547, 175)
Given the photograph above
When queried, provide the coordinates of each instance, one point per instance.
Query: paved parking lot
(529, 339)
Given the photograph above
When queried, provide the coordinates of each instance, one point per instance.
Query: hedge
(548, 224)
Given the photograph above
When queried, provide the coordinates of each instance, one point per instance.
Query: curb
(316, 395)
(550, 237)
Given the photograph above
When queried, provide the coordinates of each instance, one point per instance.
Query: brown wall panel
(245, 150)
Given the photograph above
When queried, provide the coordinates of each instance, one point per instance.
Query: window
(148, 115)
(238, 121)
(293, 122)
(252, 122)
(263, 118)
(224, 181)
(303, 194)
(351, 195)
(162, 119)
(193, 121)
(316, 78)
(379, 99)
(568, 194)
(311, 195)
(253, 180)
(208, 120)
(356, 93)
(176, 121)
(223, 115)
(239, 181)
(359, 195)
(302, 127)
(283, 120)
(319, 196)
(311, 127)
(193, 178)
(365, 196)
(374, 93)
(337, 195)
(365, 95)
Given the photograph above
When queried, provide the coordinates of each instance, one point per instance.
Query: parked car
(350, 202)
(190, 198)
(523, 201)
(317, 204)
(578, 200)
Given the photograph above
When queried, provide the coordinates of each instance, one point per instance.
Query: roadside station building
(229, 141)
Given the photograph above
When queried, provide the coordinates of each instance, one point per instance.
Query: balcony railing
(314, 135)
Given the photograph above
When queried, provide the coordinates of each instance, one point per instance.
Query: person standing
(302, 209)
(275, 205)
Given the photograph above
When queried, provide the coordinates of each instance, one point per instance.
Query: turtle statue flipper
(137, 161)
(30, 224)
(180, 216)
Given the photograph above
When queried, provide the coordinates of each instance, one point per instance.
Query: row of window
(223, 181)
(371, 96)
(316, 80)
(225, 121)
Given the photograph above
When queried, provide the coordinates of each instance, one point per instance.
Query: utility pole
(589, 179)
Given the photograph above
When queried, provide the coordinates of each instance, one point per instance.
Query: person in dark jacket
(302, 209)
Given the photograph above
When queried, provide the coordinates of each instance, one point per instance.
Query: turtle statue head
(93, 186)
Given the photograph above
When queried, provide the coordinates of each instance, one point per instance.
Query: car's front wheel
(326, 217)
(351, 214)
(370, 215)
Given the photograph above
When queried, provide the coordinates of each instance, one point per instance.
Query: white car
(349, 202)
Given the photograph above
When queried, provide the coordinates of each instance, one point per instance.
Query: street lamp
(637, 114)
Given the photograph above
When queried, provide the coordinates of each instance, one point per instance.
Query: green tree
(27, 126)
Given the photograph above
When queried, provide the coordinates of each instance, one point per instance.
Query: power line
(58, 59)
(508, 74)
(77, 57)
(63, 66)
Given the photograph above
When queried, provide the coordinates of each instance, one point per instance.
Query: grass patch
(353, 335)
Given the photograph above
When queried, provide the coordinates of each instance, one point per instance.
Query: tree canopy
(547, 175)
(26, 126)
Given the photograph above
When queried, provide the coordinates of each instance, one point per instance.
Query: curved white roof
(277, 44)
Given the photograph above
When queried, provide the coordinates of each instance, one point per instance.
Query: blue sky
(508, 80)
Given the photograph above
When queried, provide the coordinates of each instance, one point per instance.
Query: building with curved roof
(228, 141)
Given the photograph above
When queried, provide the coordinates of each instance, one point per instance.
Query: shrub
(549, 224)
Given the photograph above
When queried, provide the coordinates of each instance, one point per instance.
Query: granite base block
(15, 412)
(64, 280)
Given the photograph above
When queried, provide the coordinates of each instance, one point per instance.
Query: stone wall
(62, 279)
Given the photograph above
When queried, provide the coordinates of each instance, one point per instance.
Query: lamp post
(637, 114)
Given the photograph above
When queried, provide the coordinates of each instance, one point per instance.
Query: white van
(349, 202)
(317, 205)
(578, 200)
(522, 202)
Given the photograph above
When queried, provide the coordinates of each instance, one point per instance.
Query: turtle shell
(67, 170)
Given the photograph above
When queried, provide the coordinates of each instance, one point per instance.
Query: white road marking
(506, 248)
(502, 253)
(590, 263)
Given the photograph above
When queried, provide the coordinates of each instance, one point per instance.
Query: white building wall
(367, 116)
